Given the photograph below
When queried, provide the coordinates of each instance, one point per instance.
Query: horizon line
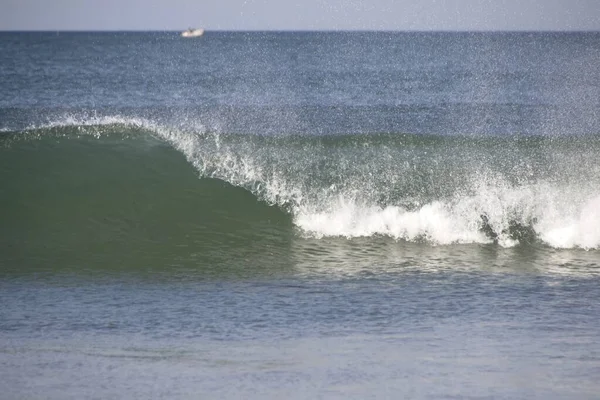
(307, 30)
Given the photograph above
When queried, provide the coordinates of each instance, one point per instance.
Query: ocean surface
(301, 215)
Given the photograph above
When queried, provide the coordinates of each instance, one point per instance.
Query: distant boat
(192, 33)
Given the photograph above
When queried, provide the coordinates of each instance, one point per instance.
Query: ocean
(337, 215)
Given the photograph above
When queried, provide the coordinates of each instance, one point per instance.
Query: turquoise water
(309, 215)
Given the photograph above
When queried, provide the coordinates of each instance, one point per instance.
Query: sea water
(300, 215)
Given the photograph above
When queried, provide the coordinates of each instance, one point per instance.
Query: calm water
(308, 215)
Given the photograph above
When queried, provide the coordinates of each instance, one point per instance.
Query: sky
(402, 15)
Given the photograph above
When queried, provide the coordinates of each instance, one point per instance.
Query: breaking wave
(442, 190)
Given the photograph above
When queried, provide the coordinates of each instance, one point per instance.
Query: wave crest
(440, 190)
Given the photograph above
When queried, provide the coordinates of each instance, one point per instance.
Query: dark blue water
(301, 215)
(470, 83)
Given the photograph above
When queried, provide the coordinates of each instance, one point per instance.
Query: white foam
(541, 208)
(433, 222)
(574, 229)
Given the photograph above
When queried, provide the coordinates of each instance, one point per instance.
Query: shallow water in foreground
(317, 330)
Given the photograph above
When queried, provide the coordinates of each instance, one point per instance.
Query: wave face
(99, 180)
